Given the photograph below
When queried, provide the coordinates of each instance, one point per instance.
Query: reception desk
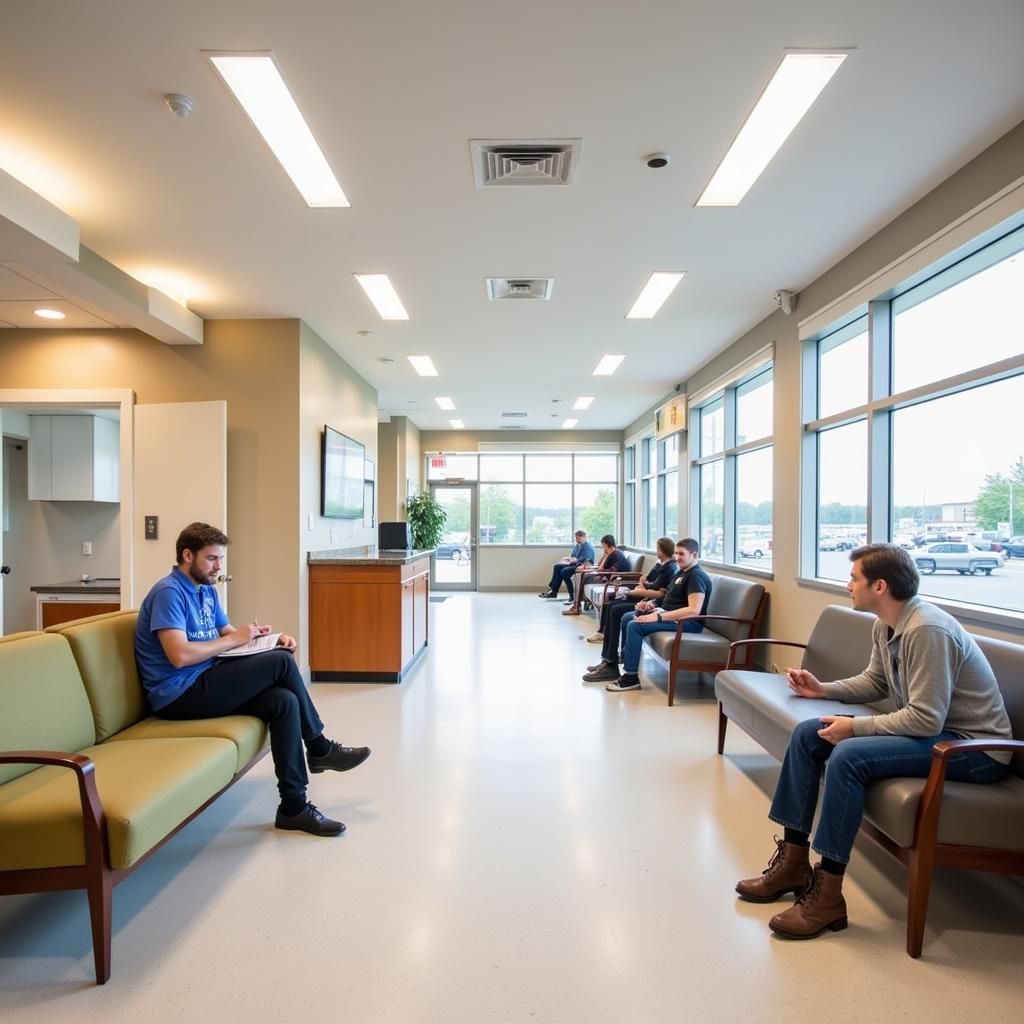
(368, 613)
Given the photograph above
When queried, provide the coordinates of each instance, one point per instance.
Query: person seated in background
(181, 631)
(651, 587)
(943, 689)
(685, 601)
(564, 571)
(612, 560)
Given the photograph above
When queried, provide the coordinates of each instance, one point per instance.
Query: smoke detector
(179, 104)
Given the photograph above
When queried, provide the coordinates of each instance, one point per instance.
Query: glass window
(445, 466)
(712, 503)
(670, 455)
(951, 487)
(651, 517)
(554, 468)
(754, 508)
(842, 497)
(596, 468)
(712, 428)
(548, 513)
(594, 510)
(842, 372)
(672, 504)
(501, 467)
(501, 513)
(631, 462)
(650, 456)
(754, 408)
(972, 323)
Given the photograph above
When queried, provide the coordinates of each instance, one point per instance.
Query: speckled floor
(521, 847)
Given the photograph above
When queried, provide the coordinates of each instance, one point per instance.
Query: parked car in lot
(959, 557)
(1014, 547)
(758, 548)
(835, 544)
(457, 550)
(986, 545)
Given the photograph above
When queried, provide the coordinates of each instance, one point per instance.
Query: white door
(181, 477)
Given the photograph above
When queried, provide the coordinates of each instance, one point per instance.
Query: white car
(755, 548)
(963, 558)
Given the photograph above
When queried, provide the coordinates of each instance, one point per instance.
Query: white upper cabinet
(74, 458)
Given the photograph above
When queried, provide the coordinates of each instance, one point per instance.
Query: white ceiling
(394, 92)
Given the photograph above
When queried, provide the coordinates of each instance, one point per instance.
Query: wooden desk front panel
(355, 627)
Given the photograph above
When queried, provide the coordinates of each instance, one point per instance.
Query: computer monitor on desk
(394, 536)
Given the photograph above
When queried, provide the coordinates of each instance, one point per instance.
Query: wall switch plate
(86, 547)
(152, 527)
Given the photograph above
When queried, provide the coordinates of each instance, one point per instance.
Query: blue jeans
(633, 634)
(848, 767)
(562, 574)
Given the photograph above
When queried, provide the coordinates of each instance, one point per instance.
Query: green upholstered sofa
(90, 783)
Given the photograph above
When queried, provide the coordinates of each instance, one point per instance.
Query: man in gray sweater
(943, 688)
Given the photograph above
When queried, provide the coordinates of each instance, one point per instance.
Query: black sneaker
(628, 681)
(338, 759)
(310, 820)
(548, 594)
(600, 675)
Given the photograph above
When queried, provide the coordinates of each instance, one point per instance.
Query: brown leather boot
(789, 870)
(821, 906)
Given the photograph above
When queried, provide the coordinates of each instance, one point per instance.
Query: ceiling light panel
(796, 84)
(423, 365)
(608, 365)
(445, 403)
(49, 314)
(381, 292)
(658, 288)
(583, 402)
(457, 424)
(569, 424)
(258, 86)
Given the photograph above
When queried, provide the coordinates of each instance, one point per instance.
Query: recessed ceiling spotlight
(49, 314)
(658, 160)
(364, 334)
(386, 360)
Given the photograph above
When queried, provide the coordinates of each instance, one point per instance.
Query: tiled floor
(522, 847)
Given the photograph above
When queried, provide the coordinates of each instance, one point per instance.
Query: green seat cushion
(248, 734)
(43, 705)
(104, 649)
(147, 788)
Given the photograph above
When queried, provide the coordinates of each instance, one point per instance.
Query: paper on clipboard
(257, 645)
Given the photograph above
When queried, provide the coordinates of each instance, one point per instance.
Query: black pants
(612, 620)
(268, 686)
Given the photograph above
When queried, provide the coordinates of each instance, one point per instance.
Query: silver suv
(964, 558)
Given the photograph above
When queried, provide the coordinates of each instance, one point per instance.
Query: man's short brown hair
(666, 545)
(197, 536)
(891, 563)
(690, 544)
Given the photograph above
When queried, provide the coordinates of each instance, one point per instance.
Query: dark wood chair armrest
(945, 749)
(93, 815)
(766, 640)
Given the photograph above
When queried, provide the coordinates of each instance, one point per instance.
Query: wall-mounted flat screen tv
(341, 476)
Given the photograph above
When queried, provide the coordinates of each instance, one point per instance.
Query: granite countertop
(97, 586)
(367, 556)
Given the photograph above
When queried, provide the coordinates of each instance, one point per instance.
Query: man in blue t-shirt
(685, 600)
(180, 633)
(563, 572)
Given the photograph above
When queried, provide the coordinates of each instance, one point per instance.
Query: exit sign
(438, 462)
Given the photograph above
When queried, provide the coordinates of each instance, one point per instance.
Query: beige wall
(387, 471)
(794, 605)
(254, 366)
(330, 392)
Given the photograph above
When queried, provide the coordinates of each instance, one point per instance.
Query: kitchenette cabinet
(64, 602)
(74, 458)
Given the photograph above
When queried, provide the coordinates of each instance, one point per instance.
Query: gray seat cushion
(705, 648)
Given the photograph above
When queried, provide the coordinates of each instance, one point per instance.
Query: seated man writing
(943, 689)
(686, 599)
(182, 629)
(651, 587)
(612, 560)
(564, 571)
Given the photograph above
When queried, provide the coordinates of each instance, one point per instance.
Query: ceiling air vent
(519, 288)
(525, 162)
(515, 415)
(511, 426)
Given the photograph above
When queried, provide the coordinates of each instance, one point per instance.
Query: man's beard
(198, 576)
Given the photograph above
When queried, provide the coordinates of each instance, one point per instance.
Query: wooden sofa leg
(100, 889)
(919, 885)
(723, 724)
(671, 685)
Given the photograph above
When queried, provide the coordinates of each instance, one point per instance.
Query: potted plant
(426, 517)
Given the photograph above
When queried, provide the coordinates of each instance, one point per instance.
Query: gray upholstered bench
(922, 822)
(607, 586)
(734, 612)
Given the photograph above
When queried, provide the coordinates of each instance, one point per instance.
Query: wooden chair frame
(96, 875)
(925, 853)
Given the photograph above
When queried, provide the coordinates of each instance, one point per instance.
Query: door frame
(474, 529)
(42, 399)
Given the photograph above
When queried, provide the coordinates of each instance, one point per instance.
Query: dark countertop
(97, 586)
(367, 556)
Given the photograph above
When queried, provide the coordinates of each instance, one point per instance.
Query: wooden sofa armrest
(93, 815)
(931, 796)
(767, 640)
(626, 579)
